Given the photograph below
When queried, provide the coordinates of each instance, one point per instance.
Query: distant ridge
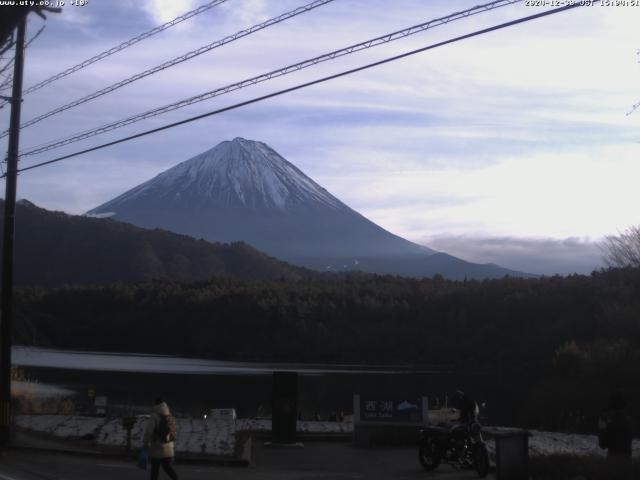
(55, 249)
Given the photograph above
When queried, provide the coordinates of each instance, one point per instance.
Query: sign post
(284, 408)
(378, 418)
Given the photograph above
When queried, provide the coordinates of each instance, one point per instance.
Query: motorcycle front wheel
(428, 456)
(481, 460)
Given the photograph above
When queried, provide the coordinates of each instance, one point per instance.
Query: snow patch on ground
(63, 426)
(209, 437)
(553, 443)
(219, 436)
(542, 444)
(195, 436)
(262, 425)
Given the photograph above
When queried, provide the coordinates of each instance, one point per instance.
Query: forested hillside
(355, 318)
(574, 339)
(54, 249)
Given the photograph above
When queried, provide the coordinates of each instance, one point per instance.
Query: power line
(7, 82)
(7, 65)
(177, 60)
(5, 85)
(304, 85)
(9, 43)
(36, 35)
(270, 75)
(127, 44)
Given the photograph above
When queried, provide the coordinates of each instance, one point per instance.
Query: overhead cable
(123, 45)
(176, 61)
(304, 85)
(270, 75)
(7, 45)
(7, 82)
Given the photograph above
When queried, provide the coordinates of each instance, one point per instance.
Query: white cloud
(250, 12)
(165, 10)
(581, 193)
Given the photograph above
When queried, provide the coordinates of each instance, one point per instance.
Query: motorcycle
(460, 445)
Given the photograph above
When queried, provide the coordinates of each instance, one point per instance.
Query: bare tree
(622, 250)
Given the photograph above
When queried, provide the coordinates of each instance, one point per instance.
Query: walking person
(615, 435)
(159, 437)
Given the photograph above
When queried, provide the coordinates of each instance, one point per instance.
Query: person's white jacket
(157, 449)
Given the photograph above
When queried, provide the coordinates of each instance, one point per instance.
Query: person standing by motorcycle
(460, 444)
(468, 408)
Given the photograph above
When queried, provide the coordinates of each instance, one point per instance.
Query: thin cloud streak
(542, 256)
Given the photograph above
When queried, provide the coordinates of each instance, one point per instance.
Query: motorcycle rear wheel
(481, 460)
(427, 456)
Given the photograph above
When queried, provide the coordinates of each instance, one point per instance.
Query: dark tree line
(577, 338)
(352, 318)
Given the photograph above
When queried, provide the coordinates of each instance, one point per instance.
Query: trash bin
(512, 454)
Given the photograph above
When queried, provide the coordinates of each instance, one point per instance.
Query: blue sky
(512, 148)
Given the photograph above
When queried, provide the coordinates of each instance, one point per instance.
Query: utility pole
(6, 318)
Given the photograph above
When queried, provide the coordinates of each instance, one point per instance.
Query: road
(316, 461)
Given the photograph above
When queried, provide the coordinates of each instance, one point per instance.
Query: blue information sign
(407, 410)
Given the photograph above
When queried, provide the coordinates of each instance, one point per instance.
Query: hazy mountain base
(411, 265)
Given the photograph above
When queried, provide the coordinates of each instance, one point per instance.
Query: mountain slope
(53, 249)
(243, 190)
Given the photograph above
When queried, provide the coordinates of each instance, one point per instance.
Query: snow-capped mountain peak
(239, 172)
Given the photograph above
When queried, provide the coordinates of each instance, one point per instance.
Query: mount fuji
(243, 190)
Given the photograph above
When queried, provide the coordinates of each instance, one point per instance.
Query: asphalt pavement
(314, 461)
